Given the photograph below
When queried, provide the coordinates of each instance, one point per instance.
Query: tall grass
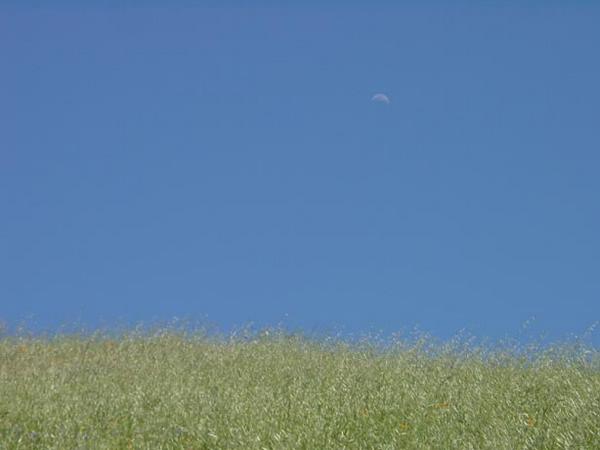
(176, 390)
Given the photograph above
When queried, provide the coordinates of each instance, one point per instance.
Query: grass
(169, 389)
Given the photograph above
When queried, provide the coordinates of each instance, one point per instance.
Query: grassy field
(174, 390)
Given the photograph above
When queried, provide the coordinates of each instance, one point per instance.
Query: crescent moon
(381, 98)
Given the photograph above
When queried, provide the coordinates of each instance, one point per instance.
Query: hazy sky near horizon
(229, 163)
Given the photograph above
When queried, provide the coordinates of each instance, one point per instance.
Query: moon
(381, 98)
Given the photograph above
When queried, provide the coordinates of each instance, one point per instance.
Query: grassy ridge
(169, 390)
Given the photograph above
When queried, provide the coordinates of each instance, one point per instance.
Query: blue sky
(227, 163)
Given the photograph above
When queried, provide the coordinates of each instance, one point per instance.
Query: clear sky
(227, 163)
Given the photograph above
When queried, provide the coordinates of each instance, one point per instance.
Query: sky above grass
(228, 163)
